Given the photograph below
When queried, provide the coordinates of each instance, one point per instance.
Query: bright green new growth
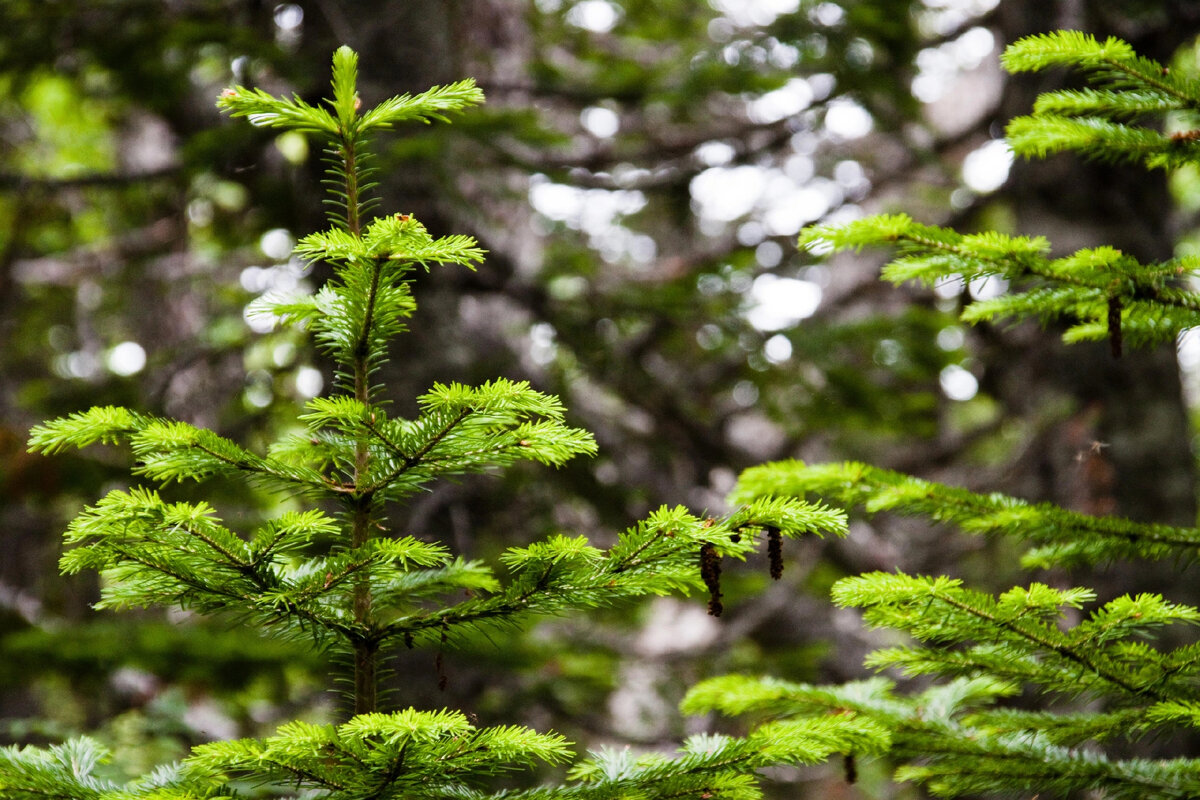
(1060, 537)
(349, 583)
(1102, 292)
(1093, 121)
(1065, 647)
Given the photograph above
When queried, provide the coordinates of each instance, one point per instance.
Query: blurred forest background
(638, 175)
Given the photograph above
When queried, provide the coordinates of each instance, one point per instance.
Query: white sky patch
(783, 56)
(601, 122)
(127, 358)
(777, 349)
(286, 277)
(283, 354)
(598, 16)
(589, 210)
(542, 344)
(799, 167)
(792, 213)
(309, 381)
(283, 281)
(846, 212)
(987, 287)
(79, 364)
(277, 243)
(827, 14)
(846, 119)
(786, 101)
(768, 254)
(745, 394)
(597, 213)
(948, 287)
(860, 53)
(753, 13)
(974, 47)
(985, 169)
(784, 202)
(941, 17)
(822, 84)
(258, 392)
(715, 154)
(258, 320)
(849, 174)
(957, 383)
(937, 67)
(951, 338)
(726, 193)
(238, 67)
(777, 303)
(288, 17)
(1187, 347)
(751, 233)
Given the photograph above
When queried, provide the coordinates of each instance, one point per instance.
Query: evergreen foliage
(1040, 690)
(1059, 537)
(1096, 677)
(337, 576)
(1102, 292)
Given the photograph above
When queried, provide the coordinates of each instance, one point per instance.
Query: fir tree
(1117, 675)
(338, 576)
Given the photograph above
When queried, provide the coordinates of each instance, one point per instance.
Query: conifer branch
(408, 461)
(1082, 288)
(1061, 537)
(1113, 60)
(1036, 633)
(654, 557)
(1086, 121)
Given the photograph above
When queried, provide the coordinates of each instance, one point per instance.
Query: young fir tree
(340, 577)
(1114, 676)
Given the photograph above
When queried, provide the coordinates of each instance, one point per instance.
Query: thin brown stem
(366, 649)
(349, 168)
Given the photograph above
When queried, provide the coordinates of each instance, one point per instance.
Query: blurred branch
(23, 604)
(666, 158)
(68, 268)
(8, 249)
(9, 180)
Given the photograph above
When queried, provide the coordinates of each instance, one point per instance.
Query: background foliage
(638, 176)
